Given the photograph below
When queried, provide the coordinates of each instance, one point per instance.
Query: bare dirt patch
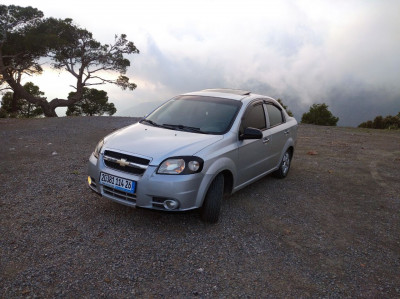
(330, 229)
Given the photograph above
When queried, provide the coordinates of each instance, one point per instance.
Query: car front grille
(119, 194)
(124, 162)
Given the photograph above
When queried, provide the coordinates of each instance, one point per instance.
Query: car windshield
(200, 114)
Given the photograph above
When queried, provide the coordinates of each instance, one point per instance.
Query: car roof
(238, 92)
(234, 94)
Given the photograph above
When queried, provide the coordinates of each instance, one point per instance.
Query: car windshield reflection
(198, 114)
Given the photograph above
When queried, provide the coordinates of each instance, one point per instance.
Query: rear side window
(254, 117)
(275, 115)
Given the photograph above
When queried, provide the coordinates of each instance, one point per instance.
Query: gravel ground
(330, 229)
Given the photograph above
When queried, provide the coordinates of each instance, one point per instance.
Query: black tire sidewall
(212, 202)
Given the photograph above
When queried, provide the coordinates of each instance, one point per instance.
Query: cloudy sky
(345, 53)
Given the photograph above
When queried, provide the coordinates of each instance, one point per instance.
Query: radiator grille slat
(132, 164)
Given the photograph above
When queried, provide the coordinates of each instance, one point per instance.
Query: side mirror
(251, 133)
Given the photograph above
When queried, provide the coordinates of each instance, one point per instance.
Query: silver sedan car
(193, 150)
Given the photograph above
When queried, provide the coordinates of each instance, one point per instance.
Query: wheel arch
(291, 151)
(224, 166)
(289, 146)
(228, 182)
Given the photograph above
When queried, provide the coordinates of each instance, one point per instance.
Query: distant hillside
(140, 109)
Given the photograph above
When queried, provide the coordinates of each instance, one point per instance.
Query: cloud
(343, 53)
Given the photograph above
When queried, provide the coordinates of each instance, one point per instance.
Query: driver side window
(254, 117)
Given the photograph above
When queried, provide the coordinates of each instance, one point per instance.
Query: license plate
(117, 182)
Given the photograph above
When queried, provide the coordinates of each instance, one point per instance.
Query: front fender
(217, 166)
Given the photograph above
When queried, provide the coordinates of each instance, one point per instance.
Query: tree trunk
(15, 98)
(14, 105)
(28, 115)
(49, 108)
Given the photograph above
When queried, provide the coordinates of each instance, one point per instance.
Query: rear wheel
(284, 167)
(212, 203)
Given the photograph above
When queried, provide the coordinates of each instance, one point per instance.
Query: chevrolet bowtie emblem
(123, 162)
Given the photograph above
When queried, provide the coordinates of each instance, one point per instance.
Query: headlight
(181, 165)
(172, 166)
(98, 148)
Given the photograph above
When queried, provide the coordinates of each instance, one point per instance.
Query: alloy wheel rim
(285, 163)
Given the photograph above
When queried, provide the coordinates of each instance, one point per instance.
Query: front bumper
(152, 189)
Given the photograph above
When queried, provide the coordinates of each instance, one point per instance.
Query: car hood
(157, 144)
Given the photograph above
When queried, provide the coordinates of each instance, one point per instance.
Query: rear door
(277, 133)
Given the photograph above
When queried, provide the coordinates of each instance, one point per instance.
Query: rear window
(274, 115)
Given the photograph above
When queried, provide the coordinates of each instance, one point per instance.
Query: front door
(253, 153)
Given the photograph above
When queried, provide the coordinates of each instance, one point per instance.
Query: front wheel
(212, 202)
(284, 167)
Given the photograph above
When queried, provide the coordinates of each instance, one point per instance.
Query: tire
(212, 202)
(284, 166)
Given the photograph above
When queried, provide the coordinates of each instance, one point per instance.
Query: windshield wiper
(183, 128)
(150, 122)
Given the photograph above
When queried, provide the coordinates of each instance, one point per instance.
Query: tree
(88, 60)
(21, 47)
(26, 36)
(368, 124)
(94, 102)
(378, 122)
(319, 115)
(389, 122)
(285, 107)
(23, 107)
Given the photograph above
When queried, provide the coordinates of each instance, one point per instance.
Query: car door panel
(278, 131)
(253, 159)
(253, 155)
(278, 139)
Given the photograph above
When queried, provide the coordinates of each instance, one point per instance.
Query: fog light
(170, 204)
(89, 179)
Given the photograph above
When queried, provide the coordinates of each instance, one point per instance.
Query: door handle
(286, 132)
(265, 140)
